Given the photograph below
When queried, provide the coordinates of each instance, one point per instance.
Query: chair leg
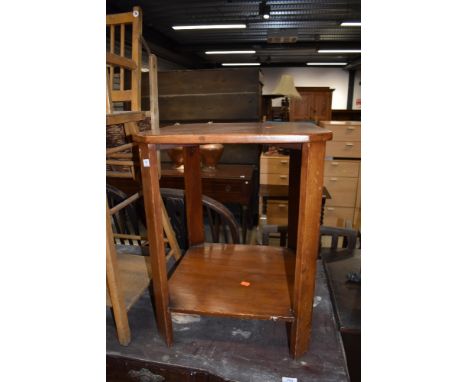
(114, 286)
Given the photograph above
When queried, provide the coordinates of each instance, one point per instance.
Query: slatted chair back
(220, 222)
(125, 28)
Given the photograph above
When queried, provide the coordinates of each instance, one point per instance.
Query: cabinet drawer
(343, 130)
(342, 191)
(274, 165)
(343, 149)
(275, 179)
(338, 216)
(277, 212)
(341, 168)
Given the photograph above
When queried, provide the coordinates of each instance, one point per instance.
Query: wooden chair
(128, 275)
(220, 222)
(348, 235)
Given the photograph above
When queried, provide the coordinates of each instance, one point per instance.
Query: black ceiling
(316, 23)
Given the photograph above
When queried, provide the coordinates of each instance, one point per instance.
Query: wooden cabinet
(315, 104)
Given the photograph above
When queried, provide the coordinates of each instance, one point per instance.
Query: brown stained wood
(125, 203)
(208, 281)
(119, 18)
(122, 54)
(193, 195)
(131, 128)
(136, 57)
(294, 196)
(307, 244)
(242, 132)
(154, 224)
(112, 47)
(114, 285)
(135, 276)
(124, 116)
(123, 62)
(121, 95)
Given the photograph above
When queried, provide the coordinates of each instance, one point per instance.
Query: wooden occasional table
(237, 280)
(227, 183)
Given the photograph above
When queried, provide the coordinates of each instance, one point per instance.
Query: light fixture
(226, 26)
(326, 63)
(351, 24)
(230, 52)
(241, 64)
(339, 51)
(264, 9)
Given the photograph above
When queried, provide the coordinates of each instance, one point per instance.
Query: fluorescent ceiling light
(241, 64)
(226, 26)
(351, 24)
(339, 51)
(326, 63)
(230, 52)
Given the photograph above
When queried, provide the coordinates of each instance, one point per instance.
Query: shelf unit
(242, 281)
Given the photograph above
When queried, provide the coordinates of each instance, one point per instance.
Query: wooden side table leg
(295, 158)
(307, 244)
(193, 195)
(153, 211)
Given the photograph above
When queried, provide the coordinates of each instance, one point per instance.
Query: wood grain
(307, 244)
(154, 224)
(208, 281)
(294, 196)
(193, 195)
(243, 132)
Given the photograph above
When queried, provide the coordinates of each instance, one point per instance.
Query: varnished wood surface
(247, 132)
(229, 348)
(208, 281)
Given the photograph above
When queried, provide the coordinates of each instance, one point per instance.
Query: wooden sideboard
(315, 105)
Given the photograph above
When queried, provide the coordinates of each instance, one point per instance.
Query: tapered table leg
(154, 225)
(308, 236)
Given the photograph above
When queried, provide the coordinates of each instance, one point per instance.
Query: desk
(346, 299)
(238, 281)
(228, 183)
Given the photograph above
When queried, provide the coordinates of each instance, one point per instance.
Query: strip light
(241, 64)
(326, 63)
(226, 26)
(339, 51)
(230, 52)
(351, 24)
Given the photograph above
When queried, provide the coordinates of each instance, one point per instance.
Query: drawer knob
(330, 209)
(349, 144)
(284, 162)
(281, 205)
(333, 179)
(335, 163)
(227, 188)
(283, 176)
(351, 128)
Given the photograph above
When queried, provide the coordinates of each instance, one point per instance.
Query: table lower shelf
(243, 281)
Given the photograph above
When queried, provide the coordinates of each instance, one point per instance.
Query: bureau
(342, 178)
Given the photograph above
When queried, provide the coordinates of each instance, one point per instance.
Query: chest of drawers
(342, 177)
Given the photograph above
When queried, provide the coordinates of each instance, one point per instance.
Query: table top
(346, 296)
(242, 132)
